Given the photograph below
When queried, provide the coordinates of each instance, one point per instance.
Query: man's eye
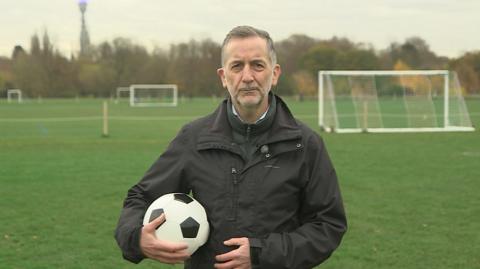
(259, 66)
(235, 66)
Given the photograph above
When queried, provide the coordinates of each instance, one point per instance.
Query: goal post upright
(446, 93)
(325, 102)
(119, 92)
(417, 104)
(321, 122)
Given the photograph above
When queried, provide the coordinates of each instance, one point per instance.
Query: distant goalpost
(391, 101)
(14, 94)
(153, 95)
(122, 93)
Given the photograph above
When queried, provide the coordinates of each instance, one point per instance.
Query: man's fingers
(234, 253)
(153, 225)
(160, 246)
(226, 256)
(158, 249)
(171, 257)
(226, 265)
(235, 242)
(237, 258)
(168, 260)
(168, 246)
(158, 252)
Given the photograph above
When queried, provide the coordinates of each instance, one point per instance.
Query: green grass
(412, 199)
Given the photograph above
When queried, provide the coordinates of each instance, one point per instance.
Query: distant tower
(84, 38)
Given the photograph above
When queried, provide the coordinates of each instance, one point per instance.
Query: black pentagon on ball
(155, 214)
(182, 197)
(189, 228)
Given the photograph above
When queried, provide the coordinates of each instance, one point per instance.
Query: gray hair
(249, 31)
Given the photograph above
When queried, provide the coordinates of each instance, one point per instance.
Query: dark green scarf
(248, 136)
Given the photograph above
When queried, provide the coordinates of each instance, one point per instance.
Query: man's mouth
(248, 92)
(249, 89)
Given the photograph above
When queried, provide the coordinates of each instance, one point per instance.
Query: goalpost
(122, 93)
(14, 94)
(152, 95)
(391, 101)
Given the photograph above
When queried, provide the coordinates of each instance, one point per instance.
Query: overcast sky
(450, 27)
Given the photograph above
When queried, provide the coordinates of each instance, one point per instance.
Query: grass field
(412, 199)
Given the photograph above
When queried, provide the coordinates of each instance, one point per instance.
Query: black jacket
(285, 200)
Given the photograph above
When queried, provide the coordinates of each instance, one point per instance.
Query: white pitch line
(169, 118)
(65, 119)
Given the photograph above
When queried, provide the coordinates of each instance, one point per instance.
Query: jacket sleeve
(164, 176)
(322, 219)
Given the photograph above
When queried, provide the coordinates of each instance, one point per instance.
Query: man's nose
(247, 75)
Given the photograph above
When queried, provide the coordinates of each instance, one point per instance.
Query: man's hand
(163, 251)
(235, 259)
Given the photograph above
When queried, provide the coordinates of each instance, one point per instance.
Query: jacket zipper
(249, 129)
(233, 213)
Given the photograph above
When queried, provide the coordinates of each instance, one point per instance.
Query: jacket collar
(260, 126)
(219, 132)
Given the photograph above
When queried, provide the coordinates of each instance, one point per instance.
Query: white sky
(448, 26)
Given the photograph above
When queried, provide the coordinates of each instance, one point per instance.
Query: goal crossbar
(384, 72)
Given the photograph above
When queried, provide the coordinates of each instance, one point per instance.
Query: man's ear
(221, 75)
(277, 71)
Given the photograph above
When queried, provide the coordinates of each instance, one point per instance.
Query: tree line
(43, 71)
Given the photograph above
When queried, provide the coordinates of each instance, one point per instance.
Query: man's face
(248, 73)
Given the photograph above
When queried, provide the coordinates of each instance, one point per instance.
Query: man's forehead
(252, 46)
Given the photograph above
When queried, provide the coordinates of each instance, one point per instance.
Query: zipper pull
(234, 173)
(233, 206)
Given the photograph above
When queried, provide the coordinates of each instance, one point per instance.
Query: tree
(417, 85)
(193, 67)
(43, 72)
(29, 74)
(320, 57)
(289, 53)
(325, 57)
(111, 65)
(415, 52)
(305, 83)
(358, 59)
(18, 51)
(290, 50)
(5, 75)
(468, 69)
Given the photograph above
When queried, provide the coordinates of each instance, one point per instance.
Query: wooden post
(105, 119)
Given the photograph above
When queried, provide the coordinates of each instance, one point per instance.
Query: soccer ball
(186, 220)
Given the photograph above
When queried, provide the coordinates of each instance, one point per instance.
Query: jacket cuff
(135, 254)
(255, 250)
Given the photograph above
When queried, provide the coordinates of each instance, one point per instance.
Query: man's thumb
(155, 223)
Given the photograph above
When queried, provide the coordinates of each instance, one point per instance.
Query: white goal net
(391, 101)
(14, 95)
(146, 95)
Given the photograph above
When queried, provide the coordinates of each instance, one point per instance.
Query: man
(265, 179)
